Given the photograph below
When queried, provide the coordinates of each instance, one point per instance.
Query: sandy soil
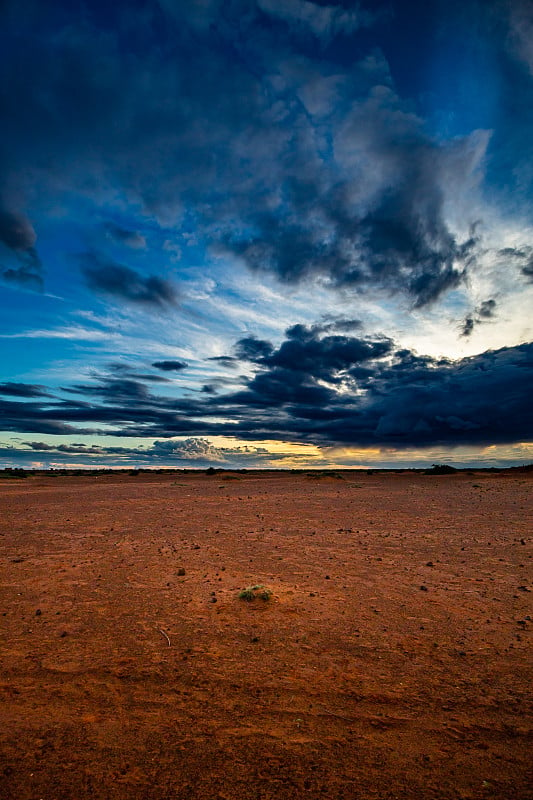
(392, 661)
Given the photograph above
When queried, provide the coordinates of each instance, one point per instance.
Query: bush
(252, 592)
(14, 472)
(441, 469)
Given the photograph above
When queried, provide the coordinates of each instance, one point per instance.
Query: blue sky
(266, 233)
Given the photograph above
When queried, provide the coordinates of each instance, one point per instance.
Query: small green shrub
(251, 592)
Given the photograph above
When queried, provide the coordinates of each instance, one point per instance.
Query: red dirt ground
(392, 660)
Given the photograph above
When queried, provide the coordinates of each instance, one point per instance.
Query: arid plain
(392, 660)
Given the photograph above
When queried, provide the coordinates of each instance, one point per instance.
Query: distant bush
(523, 468)
(319, 475)
(15, 472)
(441, 469)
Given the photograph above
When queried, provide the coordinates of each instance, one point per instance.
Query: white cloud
(68, 332)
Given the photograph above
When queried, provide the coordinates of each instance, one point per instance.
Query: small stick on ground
(165, 635)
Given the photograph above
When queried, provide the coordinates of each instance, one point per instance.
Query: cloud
(323, 21)
(73, 332)
(306, 166)
(103, 275)
(124, 236)
(262, 352)
(521, 31)
(324, 357)
(302, 17)
(468, 326)
(338, 323)
(78, 449)
(202, 450)
(170, 366)
(256, 132)
(521, 255)
(485, 311)
(225, 361)
(140, 376)
(487, 308)
(367, 392)
(375, 217)
(17, 248)
(128, 372)
(332, 389)
(114, 389)
(191, 452)
(16, 231)
(252, 349)
(35, 417)
(22, 390)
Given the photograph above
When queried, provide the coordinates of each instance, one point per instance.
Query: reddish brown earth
(392, 660)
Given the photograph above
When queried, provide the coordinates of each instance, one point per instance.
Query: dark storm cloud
(325, 357)
(468, 326)
(40, 446)
(299, 163)
(482, 399)
(485, 311)
(34, 417)
(380, 221)
(262, 352)
(67, 448)
(348, 390)
(252, 349)
(309, 336)
(114, 389)
(170, 366)
(127, 284)
(329, 389)
(16, 232)
(19, 261)
(22, 390)
(398, 398)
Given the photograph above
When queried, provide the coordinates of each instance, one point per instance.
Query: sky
(266, 233)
